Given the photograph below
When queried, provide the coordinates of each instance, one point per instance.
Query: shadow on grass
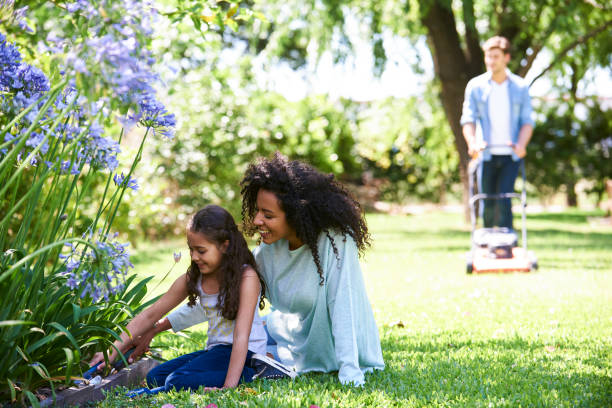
(426, 240)
(555, 237)
(474, 372)
(577, 217)
(547, 238)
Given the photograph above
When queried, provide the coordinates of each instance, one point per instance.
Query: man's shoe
(266, 367)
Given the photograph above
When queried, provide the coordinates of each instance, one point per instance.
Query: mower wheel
(534, 265)
(469, 267)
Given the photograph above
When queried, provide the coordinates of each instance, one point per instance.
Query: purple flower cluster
(100, 273)
(114, 55)
(111, 59)
(22, 85)
(82, 6)
(122, 180)
(8, 15)
(152, 114)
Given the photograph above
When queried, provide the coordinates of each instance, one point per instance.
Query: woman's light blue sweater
(320, 328)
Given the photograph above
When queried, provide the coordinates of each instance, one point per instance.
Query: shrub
(65, 287)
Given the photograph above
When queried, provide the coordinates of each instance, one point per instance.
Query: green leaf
(76, 313)
(232, 24)
(260, 16)
(41, 370)
(33, 400)
(70, 360)
(88, 310)
(22, 354)
(136, 289)
(12, 388)
(230, 13)
(48, 338)
(65, 331)
(196, 22)
(16, 322)
(149, 302)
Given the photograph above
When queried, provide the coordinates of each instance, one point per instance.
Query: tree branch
(538, 45)
(474, 52)
(580, 40)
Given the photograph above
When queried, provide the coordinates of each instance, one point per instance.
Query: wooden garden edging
(129, 377)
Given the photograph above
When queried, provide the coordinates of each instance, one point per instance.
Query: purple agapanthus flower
(82, 7)
(153, 114)
(14, 17)
(10, 57)
(97, 273)
(19, 77)
(130, 183)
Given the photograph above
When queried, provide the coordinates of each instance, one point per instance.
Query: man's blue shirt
(476, 106)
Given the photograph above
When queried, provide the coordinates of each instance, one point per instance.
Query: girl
(311, 234)
(224, 288)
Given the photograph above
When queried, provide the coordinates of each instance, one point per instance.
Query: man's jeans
(206, 368)
(497, 176)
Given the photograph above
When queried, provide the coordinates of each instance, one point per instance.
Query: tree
(414, 153)
(454, 31)
(572, 142)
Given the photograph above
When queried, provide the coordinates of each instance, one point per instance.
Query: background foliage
(227, 115)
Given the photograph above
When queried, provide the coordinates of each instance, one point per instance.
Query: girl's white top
(220, 330)
(317, 327)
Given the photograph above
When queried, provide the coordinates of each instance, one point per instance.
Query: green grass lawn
(451, 339)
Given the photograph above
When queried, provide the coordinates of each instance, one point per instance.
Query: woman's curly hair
(313, 202)
(218, 226)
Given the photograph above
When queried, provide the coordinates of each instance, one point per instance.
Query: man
(499, 102)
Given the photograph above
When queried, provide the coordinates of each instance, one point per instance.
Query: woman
(311, 234)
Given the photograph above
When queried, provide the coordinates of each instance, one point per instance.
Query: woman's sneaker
(266, 367)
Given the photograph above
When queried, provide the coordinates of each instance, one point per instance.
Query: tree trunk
(572, 198)
(453, 70)
(609, 191)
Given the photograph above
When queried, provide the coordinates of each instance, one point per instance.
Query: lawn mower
(496, 250)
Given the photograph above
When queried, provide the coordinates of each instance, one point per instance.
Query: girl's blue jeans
(206, 368)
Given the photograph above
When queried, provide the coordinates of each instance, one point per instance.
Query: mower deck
(483, 262)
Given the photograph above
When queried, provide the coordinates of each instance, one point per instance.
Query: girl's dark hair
(313, 202)
(218, 226)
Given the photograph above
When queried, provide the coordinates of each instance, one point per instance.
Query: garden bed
(127, 377)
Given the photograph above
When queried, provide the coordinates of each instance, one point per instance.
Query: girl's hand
(98, 357)
(142, 344)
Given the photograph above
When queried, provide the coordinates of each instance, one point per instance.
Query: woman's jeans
(497, 176)
(206, 368)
